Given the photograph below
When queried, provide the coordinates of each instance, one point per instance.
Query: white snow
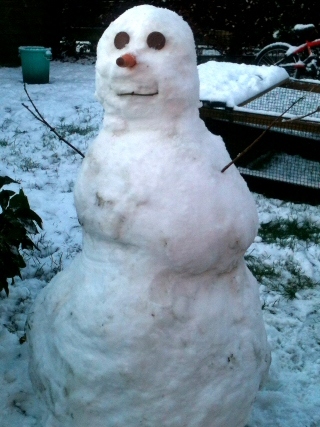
(46, 170)
(303, 26)
(233, 84)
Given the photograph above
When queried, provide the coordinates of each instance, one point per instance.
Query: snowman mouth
(137, 94)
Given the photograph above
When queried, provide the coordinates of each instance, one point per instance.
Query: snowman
(157, 322)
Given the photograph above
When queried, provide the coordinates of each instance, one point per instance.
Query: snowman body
(157, 322)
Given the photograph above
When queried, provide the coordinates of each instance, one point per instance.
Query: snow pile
(236, 83)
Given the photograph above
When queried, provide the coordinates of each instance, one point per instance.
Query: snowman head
(146, 66)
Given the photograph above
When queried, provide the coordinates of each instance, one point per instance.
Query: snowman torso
(157, 322)
(167, 196)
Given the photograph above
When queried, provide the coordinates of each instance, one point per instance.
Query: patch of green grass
(261, 269)
(69, 129)
(28, 164)
(44, 261)
(18, 132)
(297, 280)
(5, 124)
(282, 230)
(284, 276)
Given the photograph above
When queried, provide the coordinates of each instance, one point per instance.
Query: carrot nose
(126, 60)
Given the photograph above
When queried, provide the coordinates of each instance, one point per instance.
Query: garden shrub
(17, 223)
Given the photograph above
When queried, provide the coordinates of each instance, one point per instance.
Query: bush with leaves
(17, 223)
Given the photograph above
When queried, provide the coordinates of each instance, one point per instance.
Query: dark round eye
(156, 40)
(121, 39)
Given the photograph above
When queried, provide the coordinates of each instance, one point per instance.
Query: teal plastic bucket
(35, 61)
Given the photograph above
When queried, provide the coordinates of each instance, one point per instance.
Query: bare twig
(261, 135)
(302, 117)
(40, 117)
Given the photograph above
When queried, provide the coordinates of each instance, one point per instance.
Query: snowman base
(191, 357)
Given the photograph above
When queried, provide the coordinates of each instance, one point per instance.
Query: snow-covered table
(225, 84)
(240, 101)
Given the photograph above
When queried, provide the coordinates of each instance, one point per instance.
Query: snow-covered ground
(46, 169)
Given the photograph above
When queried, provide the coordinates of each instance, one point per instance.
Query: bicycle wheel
(275, 54)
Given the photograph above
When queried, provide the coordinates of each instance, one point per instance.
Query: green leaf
(27, 243)
(35, 217)
(19, 200)
(5, 180)
(4, 285)
(11, 262)
(4, 198)
(27, 216)
(17, 222)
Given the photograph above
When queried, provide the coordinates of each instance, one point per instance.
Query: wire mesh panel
(289, 152)
(278, 166)
(303, 113)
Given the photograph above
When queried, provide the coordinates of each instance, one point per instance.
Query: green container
(35, 62)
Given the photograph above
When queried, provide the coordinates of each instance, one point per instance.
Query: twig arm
(316, 110)
(41, 119)
(260, 136)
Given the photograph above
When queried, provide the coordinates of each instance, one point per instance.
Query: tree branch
(40, 117)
